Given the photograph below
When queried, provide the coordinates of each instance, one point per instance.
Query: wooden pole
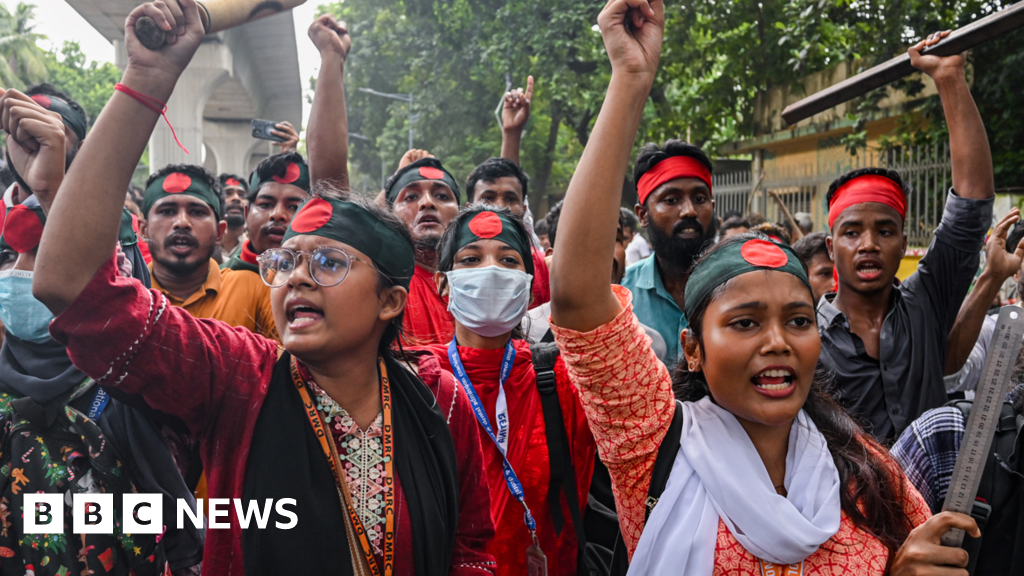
(961, 39)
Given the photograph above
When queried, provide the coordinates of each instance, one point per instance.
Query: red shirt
(215, 378)
(541, 279)
(528, 454)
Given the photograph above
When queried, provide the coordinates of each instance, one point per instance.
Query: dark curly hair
(651, 154)
(274, 165)
(492, 169)
(873, 486)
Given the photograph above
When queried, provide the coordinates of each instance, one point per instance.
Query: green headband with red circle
(294, 173)
(350, 223)
(731, 260)
(180, 183)
(22, 227)
(488, 225)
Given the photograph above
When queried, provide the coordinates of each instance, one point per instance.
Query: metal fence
(924, 169)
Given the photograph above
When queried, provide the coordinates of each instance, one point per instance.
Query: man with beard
(45, 98)
(425, 197)
(183, 225)
(235, 191)
(673, 183)
(277, 187)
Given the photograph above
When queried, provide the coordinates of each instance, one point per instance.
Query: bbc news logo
(143, 513)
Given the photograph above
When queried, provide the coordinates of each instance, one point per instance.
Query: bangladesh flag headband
(737, 258)
(489, 225)
(294, 173)
(420, 170)
(352, 224)
(72, 118)
(180, 183)
(22, 226)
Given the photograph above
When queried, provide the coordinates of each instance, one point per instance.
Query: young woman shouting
(486, 270)
(381, 493)
(770, 475)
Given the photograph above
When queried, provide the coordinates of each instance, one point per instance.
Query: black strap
(563, 473)
(665, 460)
(548, 336)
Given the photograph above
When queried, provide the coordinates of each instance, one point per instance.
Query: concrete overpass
(247, 72)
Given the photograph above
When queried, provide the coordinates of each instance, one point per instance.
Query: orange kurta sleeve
(627, 396)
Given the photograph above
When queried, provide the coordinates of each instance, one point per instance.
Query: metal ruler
(981, 425)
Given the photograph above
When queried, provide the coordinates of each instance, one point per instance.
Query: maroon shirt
(215, 378)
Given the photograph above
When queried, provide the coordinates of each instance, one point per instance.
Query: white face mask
(490, 301)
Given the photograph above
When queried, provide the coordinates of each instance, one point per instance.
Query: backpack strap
(665, 460)
(563, 473)
(659, 478)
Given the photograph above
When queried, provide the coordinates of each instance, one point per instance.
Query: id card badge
(536, 561)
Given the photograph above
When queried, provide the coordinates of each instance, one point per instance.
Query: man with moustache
(183, 226)
(235, 191)
(673, 183)
(277, 187)
(425, 197)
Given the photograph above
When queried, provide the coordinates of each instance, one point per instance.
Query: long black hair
(873, 486)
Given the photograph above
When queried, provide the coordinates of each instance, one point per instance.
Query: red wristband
(154, 105)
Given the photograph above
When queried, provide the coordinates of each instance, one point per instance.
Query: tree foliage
(90, 83)
(458, 57)
(22, 62)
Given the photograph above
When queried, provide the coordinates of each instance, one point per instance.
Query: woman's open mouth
(775, 381)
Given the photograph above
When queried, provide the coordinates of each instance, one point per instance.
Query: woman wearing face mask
(770, 476)
(346, 454)
(486, 270)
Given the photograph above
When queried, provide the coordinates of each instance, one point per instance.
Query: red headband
(867, 188)
(670, 169)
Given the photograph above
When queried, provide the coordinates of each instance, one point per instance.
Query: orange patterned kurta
(627, 395)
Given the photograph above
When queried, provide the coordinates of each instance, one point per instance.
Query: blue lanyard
(98, 403)
(514, 485)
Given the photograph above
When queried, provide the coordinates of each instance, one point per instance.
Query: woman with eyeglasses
(538, 450)
(337, 459)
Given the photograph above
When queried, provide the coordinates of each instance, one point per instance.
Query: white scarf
(718, 474)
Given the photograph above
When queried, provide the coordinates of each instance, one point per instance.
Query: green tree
(90, 83)
(22, 62)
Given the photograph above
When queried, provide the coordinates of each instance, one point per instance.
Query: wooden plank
(979, 32)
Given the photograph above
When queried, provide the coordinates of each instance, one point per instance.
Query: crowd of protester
(443, 386)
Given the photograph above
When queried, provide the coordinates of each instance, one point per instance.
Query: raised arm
(515, 113)
(83, 223)
(35, 144)
(968, 143)
(581, 298)
(327, 132)
(999, 265)
(797, 232)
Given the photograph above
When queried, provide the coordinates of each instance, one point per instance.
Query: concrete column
(231, 142)
(211, 66)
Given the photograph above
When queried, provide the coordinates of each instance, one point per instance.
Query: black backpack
(602, 551)
(999, 509)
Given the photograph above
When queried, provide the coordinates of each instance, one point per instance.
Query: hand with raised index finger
(515, 112)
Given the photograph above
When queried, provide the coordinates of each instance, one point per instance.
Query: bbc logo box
(93, 513)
